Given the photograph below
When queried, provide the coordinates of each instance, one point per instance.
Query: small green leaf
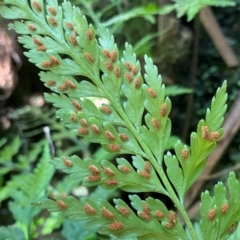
(214, 117)
(133, 106)
(9, 150)
(191, 8)
(11, 232)
(12, 13)
(60, 101)
(220, 212)
(177, 90)
(175, 174)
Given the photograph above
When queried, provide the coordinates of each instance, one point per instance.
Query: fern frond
(78, 67)
(193, 158)
(31, 188)
(121, 221)
(106, 175)
(220, 211)
(9, 149)
(192, 7)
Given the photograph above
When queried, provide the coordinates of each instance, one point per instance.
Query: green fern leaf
(120, 221)
(193, 158)
(11, 232)
(192, 7)
(220, 212)
(214, 117)
(106, 175)
(31, 189)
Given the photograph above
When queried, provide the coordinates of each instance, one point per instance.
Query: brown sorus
(114, 147)
(152, 93)
(106, 109)
(53, 60)
(42, 48)
(46, 64)
(123, 210)
(37, 41)
(89, 57)
(109, 135)
(213, 136)
(37, 6)
(116, 225)
(93, 169)
(163, 110)
(83, 122)
(94, 178)
(145, 215)
(109, 172)
(69, 25)
(76, 105)
(172, 217)
(128, 76)
(124, 137)
(117, 71)
(107, 214)
(52, 21)
(128, 66)
(137, 83)
(61, 204)
(111, 182)
(62, 87)
(211, 214)
(205, 132)
(83, 131)
(169, 225)
(108, 65)
(95, 129)
(31, 27)
(73, 118)
(124, 169)
(155, 123)
(147, 166)
(89, 209)
(159, 214)
(67, 162)
(184, 153)
(224, 208)
(89, 34)
(70, 84)
(52, 10)
(106, 53)
(144, 174)
(113, 56)
(232, 228)
(51, 83)
(134, 70)
(73, 40)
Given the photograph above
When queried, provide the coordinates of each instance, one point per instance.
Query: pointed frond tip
(215, 115)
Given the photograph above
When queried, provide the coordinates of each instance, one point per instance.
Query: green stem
(161, 173)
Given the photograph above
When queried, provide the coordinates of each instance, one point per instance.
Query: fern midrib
(152, 159)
